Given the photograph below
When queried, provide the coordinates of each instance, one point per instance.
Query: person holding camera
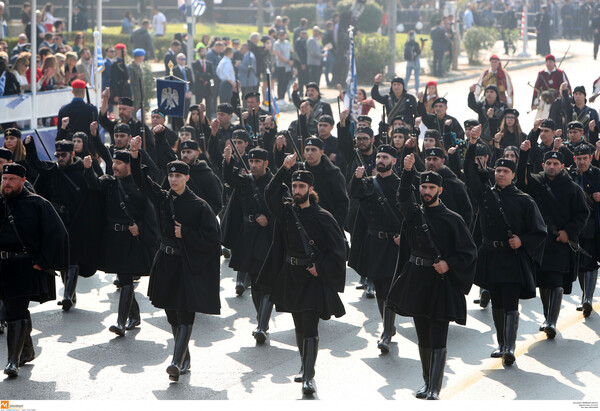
(412, 54)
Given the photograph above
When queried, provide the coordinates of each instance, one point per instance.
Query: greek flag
(99, 59)
(198, 7)
(350, 96)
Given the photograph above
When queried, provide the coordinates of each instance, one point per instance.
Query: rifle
(339, 109)
(300, 136)
(142, 116)
(269, 97)
(565, 55)
(361, 163)
(574, 246)
(43, 145)
(256, 193)
(300, 163)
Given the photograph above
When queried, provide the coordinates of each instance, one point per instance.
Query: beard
(9, 194)
(301, 199)
(382, 168)
(366, 149)
(430, 201)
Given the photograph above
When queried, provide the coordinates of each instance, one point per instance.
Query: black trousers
(438, 60)
(307, 323)
(17, 308)
(430, 333)
(596, 44)
(382, 287)
(505, 296)
(176, 318)
(283, 79)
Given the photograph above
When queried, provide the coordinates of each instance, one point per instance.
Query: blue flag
(350, 95)
(170, 95)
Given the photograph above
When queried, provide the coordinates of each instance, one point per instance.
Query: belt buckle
(3, 255)
(381, 235)
(497, 244)
(293, 261)
(116, 227)
(169, 249)
(419, 261)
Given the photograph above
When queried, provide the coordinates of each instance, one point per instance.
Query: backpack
(409, 51)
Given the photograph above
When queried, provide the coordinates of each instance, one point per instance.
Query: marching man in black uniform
(248, 227)
(185, 274)
(62, 183)
(513, 234)
(377, 232)
(33, 240)
(587, 177)
(433, 283)
(130, 233)
(306, 265)
(565, 213)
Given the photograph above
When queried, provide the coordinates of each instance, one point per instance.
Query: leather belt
(7, 255)
(495, 244)
(381, 234)
(298, 261)
(167, 249)
(119, 227)
(420, 261)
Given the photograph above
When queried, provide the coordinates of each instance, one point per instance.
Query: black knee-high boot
(16, 333)
(389, 329)
(554, 304)
(545, 297)
(591, 277)
(498, 316)
(125, 301)
(425, 355)
(28, 353)
(511, 325)
(311, 348)
(581, 279)
(134, 319)
(436, 373)
(264, 315)
(182, 339)
(70, 282)
(369, 288)
(241, 283)
(187, 361)
(2, 317)
(300, 345)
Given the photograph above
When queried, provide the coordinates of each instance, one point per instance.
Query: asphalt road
(79, 359)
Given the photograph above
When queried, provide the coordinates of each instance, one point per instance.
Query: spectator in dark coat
(142, 39)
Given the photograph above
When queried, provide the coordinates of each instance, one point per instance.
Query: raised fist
(409, 162)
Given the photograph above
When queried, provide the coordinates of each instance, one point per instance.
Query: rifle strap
(501, 208)
(11, 220)
(385, 204)
(309, 245)
(122, 198)
(425, 228)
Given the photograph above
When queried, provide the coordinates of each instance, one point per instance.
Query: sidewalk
(463, 72)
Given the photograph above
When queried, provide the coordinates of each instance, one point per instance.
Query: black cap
(64, 145)
(240, 135)
(189, 145)
(434, 152)
(399, 117)
(433, 133)
(398, 80)
(385, 148)
(258, 154)
(482, 150)
(178, 167)
(583, 149)
(548, 123)
(122, 128)
(252, 94)
(159, 111)
(6, 154)
(122, 155)
(554, 154)
(471, 122)
(188, 129)
(513, 111)
(314, 85)
(505, 162)
(365, 130)
(492, 87)
(225, 108)
(402, 129)
(326, 118)
(314, 141)
(14, 168)
(303, 176)
(12, 132)
(440, 100)
(125, 101)
(579, 89)
(575, 125)
(194, 107)
(365, 118)
(430, 177)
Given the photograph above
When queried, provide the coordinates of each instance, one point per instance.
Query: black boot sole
(67, 305)
(12, 372)
(384, 346)
(508, 359)
(134, 324)
(587, 309)
(484, 299)
(309, 389)
(260, 337)
(239, 290)
(119, 331)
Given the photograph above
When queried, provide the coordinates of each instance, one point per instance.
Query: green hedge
(479, 38)
(370, 19)
(296, 11)
(372, 56)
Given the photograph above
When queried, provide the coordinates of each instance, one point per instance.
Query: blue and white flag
(99, 59)
(273, 108)
(170, 96)
(351, 81)
(198, 7)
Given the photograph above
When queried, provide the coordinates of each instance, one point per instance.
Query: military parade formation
(420, 206)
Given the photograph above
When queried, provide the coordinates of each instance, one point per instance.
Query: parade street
(79, 359)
